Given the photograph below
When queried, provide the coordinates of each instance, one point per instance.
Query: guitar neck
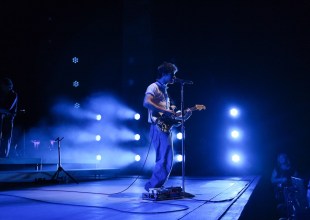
(197, 107)
(191, 109)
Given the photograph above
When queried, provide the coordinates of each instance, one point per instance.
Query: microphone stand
(56, 174)
(184, 193)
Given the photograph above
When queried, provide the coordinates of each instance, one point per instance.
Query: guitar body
(166, 123)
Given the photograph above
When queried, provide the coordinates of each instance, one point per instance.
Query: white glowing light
(235, 134)
(179, 157)
(137, 116)
(98, 157)
(137, 157)
(235, 158)
(137, 137)
(98, 117)
(234, 112)
(179, 135)
(98, 137)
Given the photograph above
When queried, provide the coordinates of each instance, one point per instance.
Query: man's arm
(149, 103)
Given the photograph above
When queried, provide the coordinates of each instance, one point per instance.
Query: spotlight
(235, 134)
(76, 84)
(36, 143)
(179, 158)
(179, 135)
(98, 157)
(234, 112)
(137, 116)
(77, 105)
(137, 157)
(98, 117)
(137, 137)
(75, 60)
(235, 158)
(98, 137)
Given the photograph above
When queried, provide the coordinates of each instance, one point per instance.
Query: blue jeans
(162, 143)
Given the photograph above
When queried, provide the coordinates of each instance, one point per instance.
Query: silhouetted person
(281, 179)
(157, 101)
(8, 109)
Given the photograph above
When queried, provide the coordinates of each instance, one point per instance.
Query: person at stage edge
(8, 109)
(158, 103)
(281, 178)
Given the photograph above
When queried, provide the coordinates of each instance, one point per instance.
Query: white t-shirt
(159, 92)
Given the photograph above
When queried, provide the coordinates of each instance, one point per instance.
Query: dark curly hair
(166, 68)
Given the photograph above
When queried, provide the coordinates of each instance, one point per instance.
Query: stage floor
(121, 198)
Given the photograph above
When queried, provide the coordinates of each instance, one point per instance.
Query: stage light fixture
(137, 158)
(234, 112)
(36, 143)
(98, 137)
(179, 158)
(77, 105)
(235, 158)
(98, 157)
(137, 137)
(137, 116)
(98, 117)
(179, 135)
(235, 134)
(75, 60)
(75, 84)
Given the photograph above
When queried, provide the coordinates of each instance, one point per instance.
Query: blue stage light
(98, 157)
(179, 135)
(179, 158)
(137, 158)
(137, 116)
(77, 105)
(235, 158)
(75, 83)
(235, 134)
(75, 60)
(98, 137)
(234, 112)
(137, 137)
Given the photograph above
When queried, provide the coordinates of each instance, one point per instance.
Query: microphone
(182, 81)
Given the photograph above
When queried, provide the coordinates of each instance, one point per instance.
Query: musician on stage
(281, 178)
(8, 109)
(157, 102)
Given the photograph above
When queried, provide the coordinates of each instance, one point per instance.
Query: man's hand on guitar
(169, 113)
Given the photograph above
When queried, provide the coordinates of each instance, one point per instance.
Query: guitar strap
(163, 89)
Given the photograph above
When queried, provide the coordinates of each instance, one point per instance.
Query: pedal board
(158, 194)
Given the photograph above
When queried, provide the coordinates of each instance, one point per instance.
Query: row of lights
(137, 116)
(235, 134)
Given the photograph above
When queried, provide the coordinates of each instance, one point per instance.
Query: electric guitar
(165, 123)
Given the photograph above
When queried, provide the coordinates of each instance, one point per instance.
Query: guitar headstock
(200, 107)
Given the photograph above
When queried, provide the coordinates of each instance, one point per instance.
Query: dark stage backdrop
(252, 54)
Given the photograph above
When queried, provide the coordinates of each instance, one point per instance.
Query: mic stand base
(187, 195)
(59, 170)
